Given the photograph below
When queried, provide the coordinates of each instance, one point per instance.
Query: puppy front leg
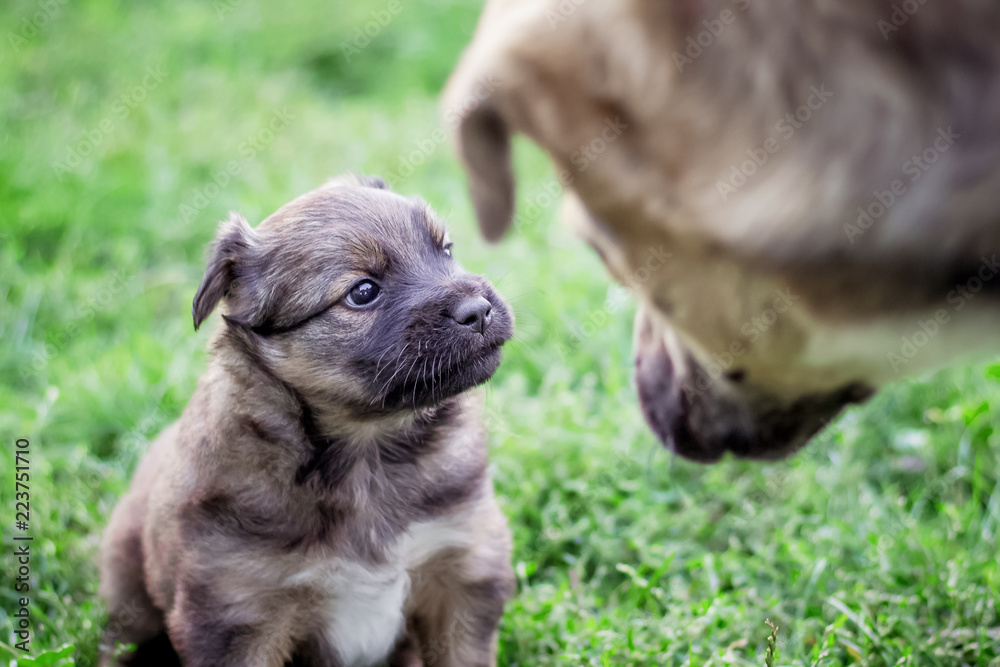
(457, 624)
(210, 629)
(133, 618)
(457, 600)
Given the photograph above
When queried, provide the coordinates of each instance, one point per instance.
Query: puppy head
(350, 294)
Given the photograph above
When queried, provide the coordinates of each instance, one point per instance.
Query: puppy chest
(361, 613)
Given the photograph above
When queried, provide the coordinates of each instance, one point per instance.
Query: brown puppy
(823, 179)
(323, 500)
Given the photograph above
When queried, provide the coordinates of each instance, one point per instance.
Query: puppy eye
(363, 293)
(447, 248)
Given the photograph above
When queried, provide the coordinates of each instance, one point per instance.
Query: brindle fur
(561, 71)
(318, 434)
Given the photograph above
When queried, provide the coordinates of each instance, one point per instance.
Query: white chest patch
(364, 605)
(364, 610)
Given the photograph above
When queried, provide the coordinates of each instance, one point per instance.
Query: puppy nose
(474, 312)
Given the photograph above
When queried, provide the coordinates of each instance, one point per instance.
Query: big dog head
(803, 195)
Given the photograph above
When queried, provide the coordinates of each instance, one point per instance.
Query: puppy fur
(323, 500)
(645, 131)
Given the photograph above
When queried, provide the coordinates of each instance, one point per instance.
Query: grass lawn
(127, 130)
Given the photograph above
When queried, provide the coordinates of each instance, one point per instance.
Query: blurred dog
(823, 176)
(323, 500)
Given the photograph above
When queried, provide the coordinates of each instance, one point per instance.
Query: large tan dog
(824, 175)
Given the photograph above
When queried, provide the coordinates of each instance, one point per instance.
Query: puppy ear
(484, 147)
(358, 180)
(232, 248)
(376, 182)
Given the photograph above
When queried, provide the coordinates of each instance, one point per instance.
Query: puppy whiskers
(407, 379)
(434, 376)
(423, 374)
(384, 386)
(378, 371)
(391, 378)
(398, 356)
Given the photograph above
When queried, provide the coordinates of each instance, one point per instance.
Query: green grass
(877, 546)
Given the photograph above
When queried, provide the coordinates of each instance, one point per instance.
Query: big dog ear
(483, 144)
(471, 106)
(232, 258)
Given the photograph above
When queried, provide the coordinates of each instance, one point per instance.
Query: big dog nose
(475, 312)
